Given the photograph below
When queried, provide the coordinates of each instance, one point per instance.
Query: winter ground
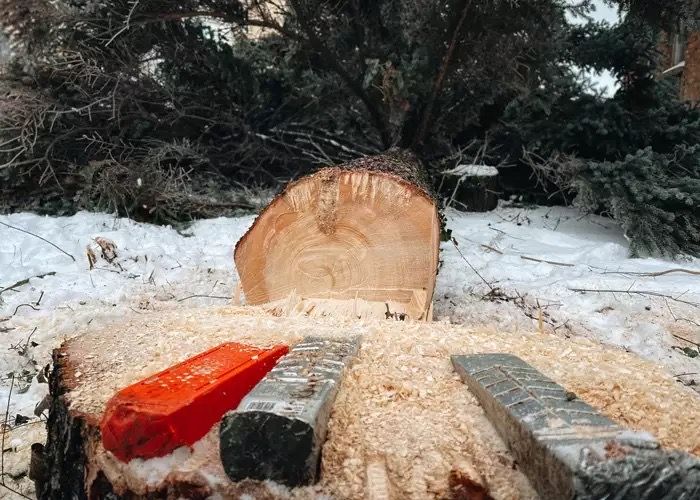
(495, 273)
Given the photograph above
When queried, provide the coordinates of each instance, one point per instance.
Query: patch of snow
(472, 171)
(583, 252)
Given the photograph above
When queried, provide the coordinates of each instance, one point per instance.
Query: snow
(590, 253)
(674, 69)
(161, 264)
(472, 171)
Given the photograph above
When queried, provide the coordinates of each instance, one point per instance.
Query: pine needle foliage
(135, 106)
(656, 197)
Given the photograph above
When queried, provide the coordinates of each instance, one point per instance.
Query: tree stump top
(400, 400)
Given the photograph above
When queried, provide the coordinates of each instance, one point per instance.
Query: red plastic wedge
(179, 405)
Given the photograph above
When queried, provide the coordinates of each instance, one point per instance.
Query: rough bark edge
(101, 488)
(64, 455)
(414, 179)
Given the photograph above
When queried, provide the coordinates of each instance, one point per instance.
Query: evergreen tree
(102, 94)
(631, 156)
(134, 105)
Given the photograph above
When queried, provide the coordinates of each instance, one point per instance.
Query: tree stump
(472, 188)
(366, 230)
(400, 394)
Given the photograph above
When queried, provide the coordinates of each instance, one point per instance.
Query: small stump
(472, 188)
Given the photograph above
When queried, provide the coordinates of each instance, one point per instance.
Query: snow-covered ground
(494, 273)
(637, 304)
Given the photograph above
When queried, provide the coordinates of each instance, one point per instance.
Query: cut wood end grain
(346, 235)
(366, 304)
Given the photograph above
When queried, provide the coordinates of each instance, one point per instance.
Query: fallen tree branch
(26, 281)
(650, 293)
(204, 296)
(554, 263)
(37, 236)
(658, 273)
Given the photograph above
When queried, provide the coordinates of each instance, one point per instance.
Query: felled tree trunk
(365, 231)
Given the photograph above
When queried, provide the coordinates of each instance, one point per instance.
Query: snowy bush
(656, 198)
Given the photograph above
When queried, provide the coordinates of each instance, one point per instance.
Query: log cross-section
(367, 230)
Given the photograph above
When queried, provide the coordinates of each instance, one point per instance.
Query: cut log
(64, 458)
(399, 401)
(366, 230)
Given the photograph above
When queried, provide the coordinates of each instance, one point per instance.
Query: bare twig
(554, 263)
(37, 236)
(4, 430)
(488, 247)
(24, 305)
(204, 296)
(25, 281)
(14, 491)
(22, 349)
(127, 23)
(676, 318)
(504, 233)
(696, 344)
(650, 293)
(454, 242)
(658, 273)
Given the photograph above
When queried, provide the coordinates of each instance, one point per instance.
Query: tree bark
(365, 231)
(64, 455)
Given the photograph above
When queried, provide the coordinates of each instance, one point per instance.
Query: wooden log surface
(401, 401)
(367, 230)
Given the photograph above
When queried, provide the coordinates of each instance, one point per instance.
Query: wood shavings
(401, 399)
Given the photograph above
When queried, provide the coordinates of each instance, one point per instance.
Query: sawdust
(401, 399)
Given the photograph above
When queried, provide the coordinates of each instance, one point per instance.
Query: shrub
(654, 196)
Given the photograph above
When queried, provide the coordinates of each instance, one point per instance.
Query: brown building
(681, 59)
